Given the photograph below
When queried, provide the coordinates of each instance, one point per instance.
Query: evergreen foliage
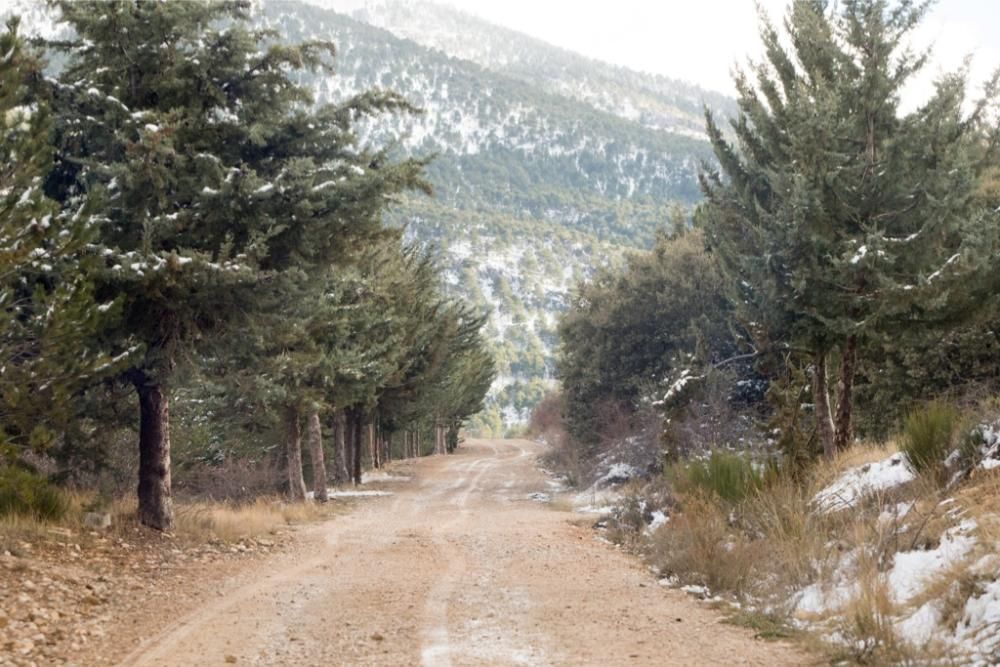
(840, 220)
(727, 475)
(23, 493)
(49, 312)
(525, 167)
(628, 333)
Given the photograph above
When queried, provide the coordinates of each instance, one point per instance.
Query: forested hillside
(534, 183)
(653, 101)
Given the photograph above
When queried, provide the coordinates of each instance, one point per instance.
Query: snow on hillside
(654, 101)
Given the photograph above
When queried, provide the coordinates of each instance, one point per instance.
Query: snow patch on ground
(602, 509)
(989, 450)
(862, 481)
(357, 493)
(700, 592)
(979, 630)
(921, 626)
(831, 595)
(893, 515)
(619, 473)
(910, 574)
(382, 476)
(912, 571)
(659, 518)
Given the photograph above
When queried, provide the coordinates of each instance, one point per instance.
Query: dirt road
(458, 566)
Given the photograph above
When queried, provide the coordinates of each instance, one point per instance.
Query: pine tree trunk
(317, 458)
(349, 443)
(356, 445)
(293, 455)
(844, 426)
(370, 440)
(340, 461)
(386, 445)
(155, 504)
(821, 405)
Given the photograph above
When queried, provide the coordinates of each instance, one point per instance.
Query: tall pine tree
(838, 217)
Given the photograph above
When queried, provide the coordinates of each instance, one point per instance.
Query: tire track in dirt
(436, 649)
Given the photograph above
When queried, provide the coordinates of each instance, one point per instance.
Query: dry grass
(699, 546)
(980, 501)
(194, 521)
(769, 545)
(562, 504)
(866, 621)
(15, 527)
(229, 523)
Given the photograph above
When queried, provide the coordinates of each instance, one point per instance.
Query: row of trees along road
(841, 238)
(187, 209)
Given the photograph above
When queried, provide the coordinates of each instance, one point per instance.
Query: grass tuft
(929, 435)
(728, 476)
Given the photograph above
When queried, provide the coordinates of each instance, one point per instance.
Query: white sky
(700, 40)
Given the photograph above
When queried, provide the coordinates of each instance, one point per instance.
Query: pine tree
(841, 219)
(222, 181)
(49, 312)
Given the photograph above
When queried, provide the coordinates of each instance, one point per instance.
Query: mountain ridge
(516, 54)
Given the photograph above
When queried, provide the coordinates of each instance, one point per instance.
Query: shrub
(698, 547)
(547, 414)
(25, 494)
(234, 480)
(929, 435)
(728, 476)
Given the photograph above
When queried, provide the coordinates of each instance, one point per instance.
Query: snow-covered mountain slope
(654, 101)
(475, 119)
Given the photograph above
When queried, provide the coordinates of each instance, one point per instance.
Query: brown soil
(457, 567)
